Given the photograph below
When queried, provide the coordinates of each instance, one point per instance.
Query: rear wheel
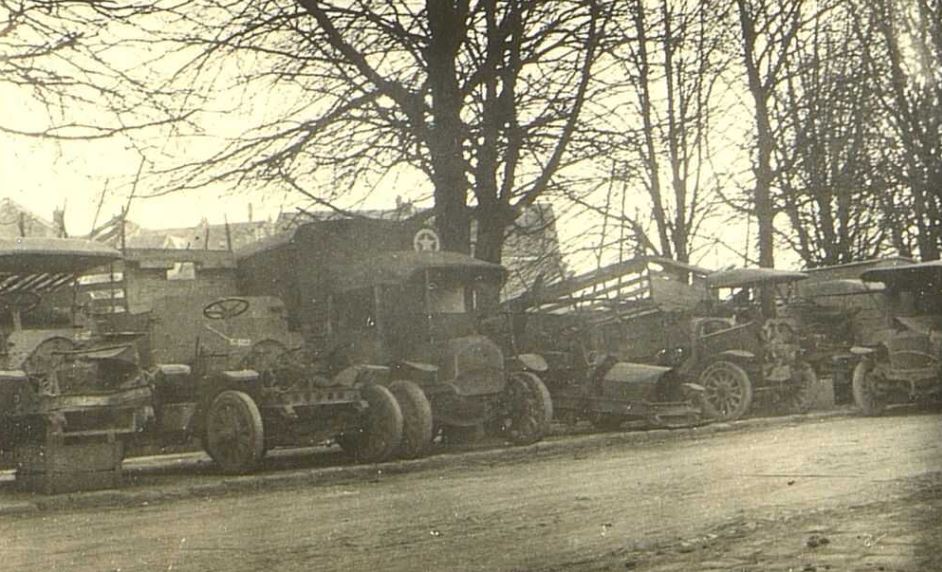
(728, 391)
(381, 431)
(865, 389)
(235, 436)
(529, 409)
(800, 395)
(416, 418)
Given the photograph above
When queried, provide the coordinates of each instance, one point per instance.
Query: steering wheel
(225, 308)
(23, 302)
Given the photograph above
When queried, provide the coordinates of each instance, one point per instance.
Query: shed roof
(167, 257)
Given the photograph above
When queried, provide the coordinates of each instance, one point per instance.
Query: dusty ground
(742, 500)
(902, 532)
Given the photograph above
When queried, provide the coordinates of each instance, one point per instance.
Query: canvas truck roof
(839, 287)
(27, 255)
(396, 267)
(920, 274)
(742, 277)
(46, 264)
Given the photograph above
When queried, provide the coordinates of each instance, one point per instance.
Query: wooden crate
(69, 465)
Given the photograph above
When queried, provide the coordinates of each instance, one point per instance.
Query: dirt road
(564, 510)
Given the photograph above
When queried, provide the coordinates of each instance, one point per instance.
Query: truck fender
(172, 369)
(416, 371)
(695, 387)
(354, 374)
(741, 355)
(531, 362)
(862, 351)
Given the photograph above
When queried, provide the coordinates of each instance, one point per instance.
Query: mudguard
(354, 374)
(175, 383)
(738, 354)
(633, 381)
(862, 351)
(531, 362)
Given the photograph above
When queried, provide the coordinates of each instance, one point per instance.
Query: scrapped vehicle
(905, 365)
(833, 316)
(228, 372)
(63, 385)
(574, 332)
(377, 298)
(739, 352)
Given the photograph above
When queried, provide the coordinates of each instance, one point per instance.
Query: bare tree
(671, 58)
(910, 57)
(767, 39)
(481, 98)
(826, 117)
(60, 66)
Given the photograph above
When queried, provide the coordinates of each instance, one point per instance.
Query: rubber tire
(246, 414)
(865, 402)
(742, 380)
(381, 433)
(416, 419)
(801, 396)
(530, 418)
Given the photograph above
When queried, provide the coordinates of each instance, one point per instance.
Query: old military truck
(737, 351)
(379, 299)
(69, 395)
(227, 370)
(586, 336)
(904, 362)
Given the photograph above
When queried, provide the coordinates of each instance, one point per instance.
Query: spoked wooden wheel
(728, 391)
(235, 436)
(865, 387)
(529, 409)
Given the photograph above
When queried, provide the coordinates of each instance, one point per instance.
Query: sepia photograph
(471, 285)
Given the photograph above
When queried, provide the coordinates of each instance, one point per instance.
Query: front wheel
(865, 389)
(529, 409)
(235, 436)
(380, 432)
(728, 391)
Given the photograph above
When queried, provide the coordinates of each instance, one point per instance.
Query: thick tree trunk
(447, 21)
(762, 193)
